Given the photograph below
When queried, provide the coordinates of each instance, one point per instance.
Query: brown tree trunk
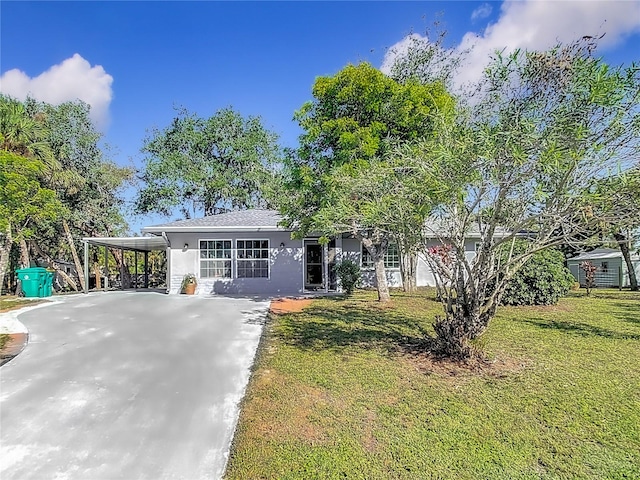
(74, 253)
(96, 270)
(5, 250)
(121, 261)
(53, 264)
(626, 254)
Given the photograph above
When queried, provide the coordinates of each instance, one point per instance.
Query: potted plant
(189, 284)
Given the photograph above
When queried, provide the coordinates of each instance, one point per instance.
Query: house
(247, 252)
(611, 270)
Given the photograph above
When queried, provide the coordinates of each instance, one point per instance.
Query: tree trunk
(25, 261)
(53, 264)
(121, 262)
(5, 251)
(96, 270)
(74, 253)
(381, 279)
(626, 254)
(408, 270)
(377, 252)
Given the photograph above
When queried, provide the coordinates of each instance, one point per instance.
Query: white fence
(604, 278)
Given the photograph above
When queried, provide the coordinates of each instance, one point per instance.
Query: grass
(340, 392)
(11, 302)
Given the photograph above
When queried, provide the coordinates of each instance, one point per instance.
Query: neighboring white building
(611, 268)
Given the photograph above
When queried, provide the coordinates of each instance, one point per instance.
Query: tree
(24, 134)
(216, 164)
(23, 202)
(617, 208)
(525, 151)
(345, 177)
(86, 182)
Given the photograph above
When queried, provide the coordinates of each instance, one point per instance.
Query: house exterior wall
(285, 264)
(424, 275)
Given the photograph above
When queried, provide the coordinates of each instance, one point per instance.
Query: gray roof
(601, 254)
(246, 220)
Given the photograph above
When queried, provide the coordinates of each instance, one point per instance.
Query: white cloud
(73, 79)
(534, 24)
(483, 11)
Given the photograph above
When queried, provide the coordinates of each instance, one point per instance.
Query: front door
(314, 267)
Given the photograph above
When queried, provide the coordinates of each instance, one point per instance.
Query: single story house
(247, 252)
(611, 270)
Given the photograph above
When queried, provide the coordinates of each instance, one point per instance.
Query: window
(253, 258)
(605, 267)
(215, 258)
(391, 258)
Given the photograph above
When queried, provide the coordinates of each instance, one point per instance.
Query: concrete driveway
(127, 385)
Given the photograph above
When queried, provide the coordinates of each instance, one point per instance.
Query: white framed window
(215, 258)
(391, 258)
(252, 258)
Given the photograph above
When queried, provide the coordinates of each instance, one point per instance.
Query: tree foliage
(344, 177)
(24, 203)
(525, 151)
(210, 165)
(58, 147)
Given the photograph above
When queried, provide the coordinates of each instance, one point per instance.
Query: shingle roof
(255, 219)
(601, 254)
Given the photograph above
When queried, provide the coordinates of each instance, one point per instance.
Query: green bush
(348, 273)
(541, 281)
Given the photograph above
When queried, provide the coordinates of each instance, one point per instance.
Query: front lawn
(339, 392)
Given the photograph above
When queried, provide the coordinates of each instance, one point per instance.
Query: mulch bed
(289, 305)
(17, 341)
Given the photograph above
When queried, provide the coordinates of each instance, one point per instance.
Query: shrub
(348, 272)
(541, 281)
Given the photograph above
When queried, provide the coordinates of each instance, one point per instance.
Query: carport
(137, 245)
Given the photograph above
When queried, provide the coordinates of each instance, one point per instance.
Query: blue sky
(135, 61)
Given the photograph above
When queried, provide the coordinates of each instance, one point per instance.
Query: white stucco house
(247, 252)
(611, 270)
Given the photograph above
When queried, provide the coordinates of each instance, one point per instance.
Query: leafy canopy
(343, 177)
(213, 164)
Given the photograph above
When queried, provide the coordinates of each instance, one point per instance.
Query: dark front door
(313, 275)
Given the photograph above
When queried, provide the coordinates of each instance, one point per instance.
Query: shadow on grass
(579, 328)
(628, 312)
(346, 323)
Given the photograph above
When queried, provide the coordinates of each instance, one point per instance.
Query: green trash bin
(48, 283)
(33, 281)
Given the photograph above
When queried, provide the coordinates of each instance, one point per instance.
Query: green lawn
(338, 393)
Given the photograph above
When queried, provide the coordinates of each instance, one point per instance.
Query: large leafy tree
(345, 177)
(86, 182)
(23, 134)
(546, 124)
(208, 165)
(24, 202)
